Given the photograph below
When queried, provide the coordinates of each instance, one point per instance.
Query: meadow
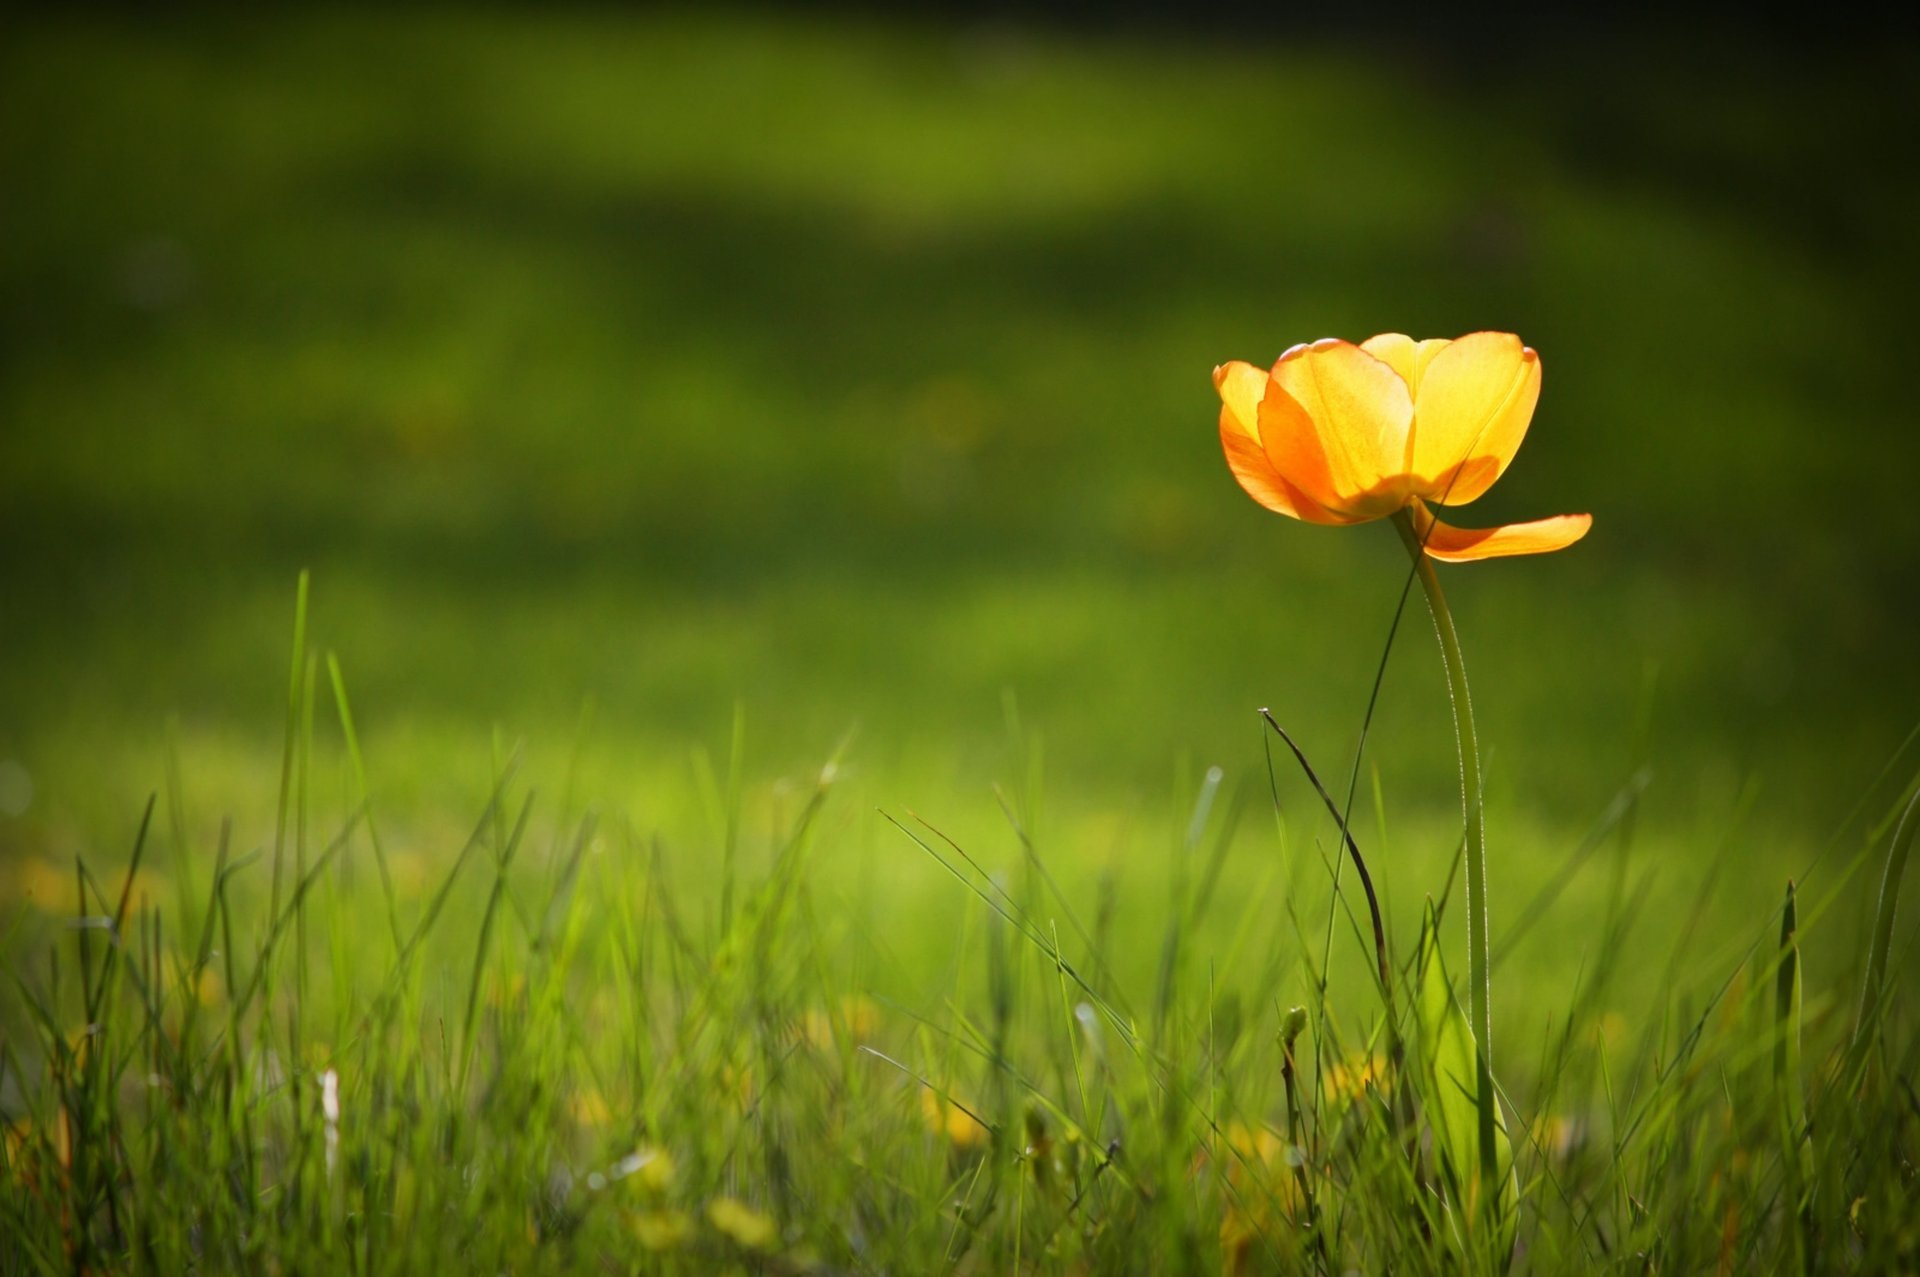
(770, 772)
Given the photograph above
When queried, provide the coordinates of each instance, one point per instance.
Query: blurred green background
(856, 372)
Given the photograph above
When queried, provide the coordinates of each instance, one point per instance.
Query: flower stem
(1479, 964)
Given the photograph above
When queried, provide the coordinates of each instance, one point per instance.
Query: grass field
(756, 442)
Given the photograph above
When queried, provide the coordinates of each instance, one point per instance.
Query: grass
(559, 1055)
(669, 403)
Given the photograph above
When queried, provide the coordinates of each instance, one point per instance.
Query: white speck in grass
(16, 788)
(596, 1181)
(1203, 807)
(330, 1110)
(1090, 1028)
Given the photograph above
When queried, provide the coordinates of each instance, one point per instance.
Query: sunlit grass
(557, 1041)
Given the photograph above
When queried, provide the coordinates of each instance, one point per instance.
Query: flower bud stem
(1479, 964)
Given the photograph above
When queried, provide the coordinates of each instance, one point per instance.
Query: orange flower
(1339, 433)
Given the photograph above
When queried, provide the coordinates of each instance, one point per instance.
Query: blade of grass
(358, 763)
(298, 667)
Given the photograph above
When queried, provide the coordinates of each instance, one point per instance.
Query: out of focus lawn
(858, 374)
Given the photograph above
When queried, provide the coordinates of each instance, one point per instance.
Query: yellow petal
(1406, 356)
(1334, 423)
(1242, 387)
(1463, 545)
(1475, 399)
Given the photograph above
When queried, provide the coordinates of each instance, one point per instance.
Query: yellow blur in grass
(27, 1143)
(747, 1227)
(1349, 1080)
(1260, 1198)
(51, 888)
(855, 1017)
(588, 1108)
(649, 1169)
(948, 1120)
(661, 1229)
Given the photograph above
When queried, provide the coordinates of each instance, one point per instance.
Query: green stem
(1479, 964)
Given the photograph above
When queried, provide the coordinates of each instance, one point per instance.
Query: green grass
(671, 402)
(566, 1053)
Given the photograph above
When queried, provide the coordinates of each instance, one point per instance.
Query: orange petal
(1242, 387)
(1463, 545)
(1475, 399)
(1406, 356)
(1337, 428)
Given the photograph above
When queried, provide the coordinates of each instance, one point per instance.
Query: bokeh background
(851, 372)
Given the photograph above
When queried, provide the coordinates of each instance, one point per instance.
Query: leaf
(1786, 1046)
(1449, 1056)
(1796, 1151)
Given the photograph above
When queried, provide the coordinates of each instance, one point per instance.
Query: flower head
(1338, 433)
